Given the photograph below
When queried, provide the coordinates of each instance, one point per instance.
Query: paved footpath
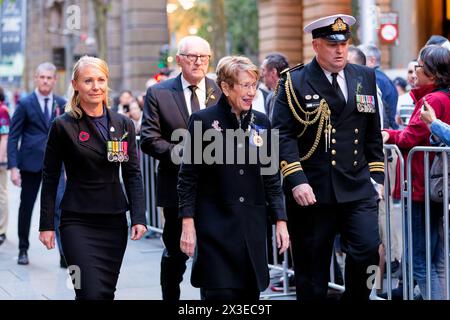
(44, 279)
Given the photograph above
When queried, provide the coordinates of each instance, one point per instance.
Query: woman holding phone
(431, 86)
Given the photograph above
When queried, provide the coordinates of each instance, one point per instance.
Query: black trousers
(312, 231)
(173, 261)
(31, 181)
(94, 246)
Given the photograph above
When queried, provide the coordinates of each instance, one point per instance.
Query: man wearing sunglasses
(167, 107)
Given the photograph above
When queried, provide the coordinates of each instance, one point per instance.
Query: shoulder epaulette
(297, 67)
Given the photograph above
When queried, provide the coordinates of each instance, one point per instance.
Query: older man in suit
(167, 107)
(30, 125)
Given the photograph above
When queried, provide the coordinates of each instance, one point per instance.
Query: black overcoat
(230, 202)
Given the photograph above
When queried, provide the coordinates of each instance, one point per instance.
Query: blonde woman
(93, 143)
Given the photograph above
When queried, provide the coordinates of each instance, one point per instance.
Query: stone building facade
(281, 26)
(136, 30)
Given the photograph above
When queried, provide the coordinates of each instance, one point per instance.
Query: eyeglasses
(418, 66)
(193, 57)
(247, 86)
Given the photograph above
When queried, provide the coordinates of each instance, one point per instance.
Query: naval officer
(331, 158)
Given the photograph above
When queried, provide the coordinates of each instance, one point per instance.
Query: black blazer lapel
(93, 140)
(178, 95)
(352, 79)
(213, 92)
(37, 107)
(116, 130)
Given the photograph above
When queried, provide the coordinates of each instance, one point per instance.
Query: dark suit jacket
(228, 204)
(93, 184)
(29, 126)
(342, 173)
(165, 111)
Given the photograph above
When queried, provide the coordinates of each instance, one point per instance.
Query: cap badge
(338, 25)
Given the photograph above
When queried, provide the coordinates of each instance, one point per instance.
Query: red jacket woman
(418, 134)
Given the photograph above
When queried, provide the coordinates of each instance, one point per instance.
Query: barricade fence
(156, 222)
(445, 151)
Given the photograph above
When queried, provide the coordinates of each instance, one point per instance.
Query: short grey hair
(46, 66)
(183, 43)
(359, 55)
(371, 51)
(277, 61)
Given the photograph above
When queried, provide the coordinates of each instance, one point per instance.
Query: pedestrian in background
(30, 125)
(4, 131)
(432, 85)
(271, 69)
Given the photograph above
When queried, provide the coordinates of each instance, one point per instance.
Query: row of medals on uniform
(118, 149)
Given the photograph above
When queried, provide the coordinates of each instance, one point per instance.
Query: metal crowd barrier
(445, 151)
(148, 169)
(388, 149)
(149, 165)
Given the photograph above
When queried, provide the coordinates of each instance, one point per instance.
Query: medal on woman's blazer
(117, 150)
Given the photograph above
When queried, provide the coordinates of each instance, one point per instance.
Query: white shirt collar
(185, 84)
(42, 97)
(341, 74)
(41, 100)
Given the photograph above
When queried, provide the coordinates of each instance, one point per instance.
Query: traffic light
(163, 55)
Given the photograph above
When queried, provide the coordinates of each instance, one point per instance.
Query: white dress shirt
(341, 81)
(41, 101)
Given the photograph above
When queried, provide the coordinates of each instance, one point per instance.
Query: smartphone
(423, 105)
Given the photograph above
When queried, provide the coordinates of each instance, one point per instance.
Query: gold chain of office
(321, 114)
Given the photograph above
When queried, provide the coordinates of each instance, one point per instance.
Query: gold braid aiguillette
(321, 114)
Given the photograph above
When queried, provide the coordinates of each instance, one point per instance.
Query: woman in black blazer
(93, 143)
(225, 204)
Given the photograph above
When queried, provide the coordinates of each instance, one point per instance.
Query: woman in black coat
(224, 188)
(93, 143)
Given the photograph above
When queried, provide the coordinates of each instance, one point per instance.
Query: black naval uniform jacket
(228, 204)
(93, 184)
(342, 174)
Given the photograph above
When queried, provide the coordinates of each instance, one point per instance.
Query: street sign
(388, 32)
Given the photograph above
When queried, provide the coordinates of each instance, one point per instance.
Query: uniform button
(333, 152)
(356, 131)
(356, 141)
(333, 163)
(355, 163)
(333, 131)
(355, 152)
(333, 141)
(241, 172)
(241, 199)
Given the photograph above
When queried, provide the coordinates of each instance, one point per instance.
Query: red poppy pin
(83, 136)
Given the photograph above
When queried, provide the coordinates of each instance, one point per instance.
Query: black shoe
(2, 238)
(62, 262)
(23, 258)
